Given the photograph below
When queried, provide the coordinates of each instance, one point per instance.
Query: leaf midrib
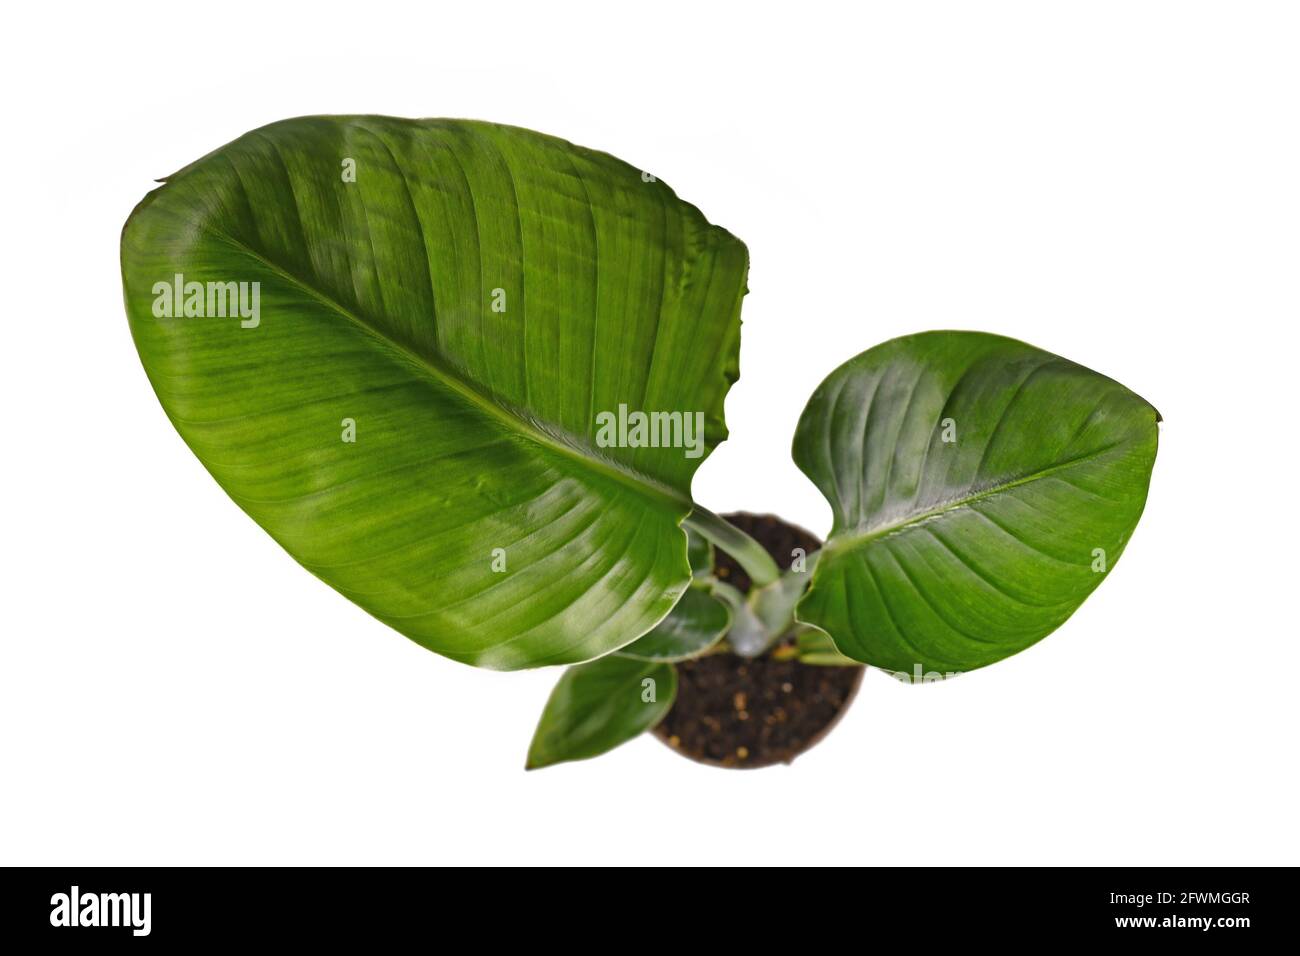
(859, 538)
(572, 448)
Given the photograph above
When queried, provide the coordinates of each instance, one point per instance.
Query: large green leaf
(981, 488)
(477, 511)
(598, 705)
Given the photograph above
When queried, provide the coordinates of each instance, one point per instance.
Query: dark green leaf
(981, 488)
(598, 705)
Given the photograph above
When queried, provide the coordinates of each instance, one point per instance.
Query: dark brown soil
(736, 712)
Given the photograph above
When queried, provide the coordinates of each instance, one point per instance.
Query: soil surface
(736, 712)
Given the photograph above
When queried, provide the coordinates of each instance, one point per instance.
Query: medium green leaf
(697, 623)
(468, 304)
(598, 705)
(981, 488)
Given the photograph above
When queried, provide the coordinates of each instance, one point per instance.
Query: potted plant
(464, 374)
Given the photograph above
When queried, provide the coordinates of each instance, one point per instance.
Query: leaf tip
(536, 759)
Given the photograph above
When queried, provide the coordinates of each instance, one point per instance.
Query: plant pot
(745, 713)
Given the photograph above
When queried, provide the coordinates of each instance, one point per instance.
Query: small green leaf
(598, 705)
(814, 646)
(981, 489)
(697, 622)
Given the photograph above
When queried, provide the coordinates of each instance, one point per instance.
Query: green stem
(774, 604)
(747, 636)
(747, 552)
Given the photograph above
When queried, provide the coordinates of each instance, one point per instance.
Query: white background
(1115, 182)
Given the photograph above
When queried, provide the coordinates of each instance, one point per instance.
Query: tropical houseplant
(464, 373)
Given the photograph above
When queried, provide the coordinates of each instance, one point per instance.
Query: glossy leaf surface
(598, 705)
(697, 622)
(981, 489)
(468, 299)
